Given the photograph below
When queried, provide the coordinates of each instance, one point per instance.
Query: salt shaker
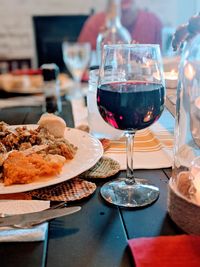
(51, 87)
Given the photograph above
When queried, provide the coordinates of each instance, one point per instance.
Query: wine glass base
(122, 192)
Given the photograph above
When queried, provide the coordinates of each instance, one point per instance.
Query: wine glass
(130, 97)
(76, 57)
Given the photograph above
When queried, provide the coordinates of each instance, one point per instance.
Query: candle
(171, 79)
(195, 177)
(189, 71)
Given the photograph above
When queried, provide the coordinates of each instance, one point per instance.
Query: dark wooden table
(97, 235)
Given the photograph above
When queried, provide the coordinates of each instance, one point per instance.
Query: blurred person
(144, 26)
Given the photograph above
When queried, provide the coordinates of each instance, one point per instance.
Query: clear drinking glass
(98, 127)
(130, 97)
(76, 57)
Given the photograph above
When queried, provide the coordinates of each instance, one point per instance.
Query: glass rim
(74, 42)
(130, 45)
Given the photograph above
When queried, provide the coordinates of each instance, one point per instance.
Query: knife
(35, 218)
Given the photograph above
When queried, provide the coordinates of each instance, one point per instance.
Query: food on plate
(20, 80)
(54, 124)
(27, 154)
(21, 169)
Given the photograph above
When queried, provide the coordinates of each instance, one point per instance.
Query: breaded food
(29, 154)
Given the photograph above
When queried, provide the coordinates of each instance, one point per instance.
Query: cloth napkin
(36, 233)
(22, 101)
(152, 149)
(166, 251)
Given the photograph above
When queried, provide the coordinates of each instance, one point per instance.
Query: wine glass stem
(129, 156)
(77, 87)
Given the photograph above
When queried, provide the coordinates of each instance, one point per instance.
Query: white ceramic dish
(36, 90)
(30, 84)
(24, 90)
(89, 152)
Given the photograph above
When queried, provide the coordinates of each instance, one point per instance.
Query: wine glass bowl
(130, 97)
(76, 57)
(134, 105)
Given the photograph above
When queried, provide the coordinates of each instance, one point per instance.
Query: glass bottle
(51, 87)
(187, 126)
(114, 32)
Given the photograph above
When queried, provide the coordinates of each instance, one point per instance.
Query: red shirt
(146, 29)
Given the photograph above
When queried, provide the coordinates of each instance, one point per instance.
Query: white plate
(37, 90)
(24, 90)
(89, 152)
(17, 84)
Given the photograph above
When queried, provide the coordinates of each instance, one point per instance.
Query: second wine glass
(76, 57)
(130, 97)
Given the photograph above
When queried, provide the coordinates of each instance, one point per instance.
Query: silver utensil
(30, 219)
(57, 206)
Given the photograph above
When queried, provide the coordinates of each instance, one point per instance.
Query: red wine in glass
(130, 97)
(130, 105)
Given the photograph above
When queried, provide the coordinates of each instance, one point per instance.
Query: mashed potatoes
(21, 169)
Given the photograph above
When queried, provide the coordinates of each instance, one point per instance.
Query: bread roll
(54, 124)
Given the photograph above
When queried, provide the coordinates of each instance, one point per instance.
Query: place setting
(26, 87)
(34, 173)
